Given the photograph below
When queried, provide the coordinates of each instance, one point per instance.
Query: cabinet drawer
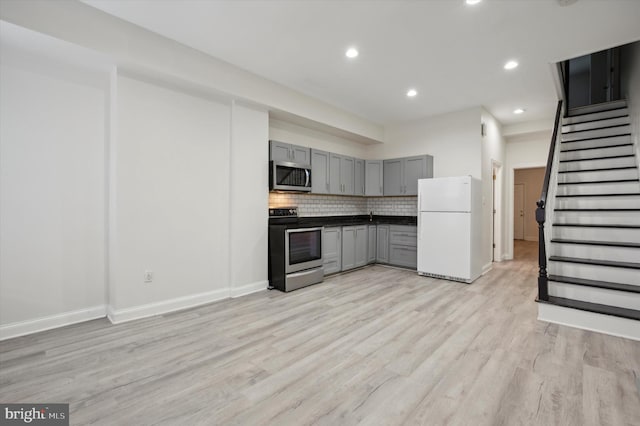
(403, 256)
(331, 266)
(403, 235)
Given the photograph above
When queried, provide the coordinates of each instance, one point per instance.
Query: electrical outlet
(148, 276)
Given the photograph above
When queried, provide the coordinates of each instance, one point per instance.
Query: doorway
(496, 212)
(518, 211)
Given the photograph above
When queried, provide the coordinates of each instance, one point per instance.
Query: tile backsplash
(335, 205)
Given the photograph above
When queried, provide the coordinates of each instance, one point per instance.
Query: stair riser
(600, 188)
(625, 202)
(605, 175)
(602, 296)
(590, 125)
(595, 272)
(605, 163)
(596, 143)
(600, 218)
(595, 116)
(629, 235)
(605, 106)
(596, 153)
(597, 133)
(582, 251)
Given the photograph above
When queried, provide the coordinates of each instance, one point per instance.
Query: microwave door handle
(306, 172)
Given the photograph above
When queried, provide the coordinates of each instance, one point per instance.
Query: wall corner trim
(22, 328)
(117, 316)
(249, 288)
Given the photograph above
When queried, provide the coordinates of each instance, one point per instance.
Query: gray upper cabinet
(359, 176)
(320, 171)
(371, 244)
(280, 151)
(401, 174)
(373, 178)
(341, 174)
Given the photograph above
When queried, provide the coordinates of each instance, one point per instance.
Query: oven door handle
(289, 231)
(306, 172)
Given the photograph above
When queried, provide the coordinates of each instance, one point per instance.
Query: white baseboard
(22, 328)
(486, 268)
(507, 256)
(249, 288)
(591, 321)
(117, 316)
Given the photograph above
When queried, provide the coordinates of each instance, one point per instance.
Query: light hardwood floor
(379, 346)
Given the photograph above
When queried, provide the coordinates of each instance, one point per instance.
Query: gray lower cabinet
(400, 175)
(320, 171)
(382, 244)
(332, 250)
(281, 151)
(354, 246)
(373, 178)
(403, 242)
(371, 243)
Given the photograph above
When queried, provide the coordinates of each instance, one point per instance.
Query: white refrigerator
(450, 228)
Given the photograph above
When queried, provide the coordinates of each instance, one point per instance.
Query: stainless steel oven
(295, 253)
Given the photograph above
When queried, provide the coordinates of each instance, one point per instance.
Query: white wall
(453, 139)
(52, 187)
(170, 213)
(142, 51)
(249, 186)
(493, 155)
(298, 135)
(522, 151)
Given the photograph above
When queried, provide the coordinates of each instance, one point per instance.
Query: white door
(518, 211)
(444, 244)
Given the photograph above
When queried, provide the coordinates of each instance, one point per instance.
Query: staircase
(594, 250)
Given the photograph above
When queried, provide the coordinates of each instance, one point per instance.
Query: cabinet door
(319, 172)
(373, 178)
(335, 186)
(371, 244)
(300, 154)
(347, 175)
(361, 245)
(414, 168)
(348, 247)
(358, 177)
(429, 166)
(332, 250)
(392, 176)
(279, 151)
(400, 255)
(382, 244)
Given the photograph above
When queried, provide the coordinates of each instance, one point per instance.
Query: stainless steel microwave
(285, 176)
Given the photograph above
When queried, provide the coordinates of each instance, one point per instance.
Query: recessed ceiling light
(510, 65)
(411, 93)
(518, 111)
(352, 52)
(472, 2)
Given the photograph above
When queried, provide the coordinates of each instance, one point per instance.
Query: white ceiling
(450, 52)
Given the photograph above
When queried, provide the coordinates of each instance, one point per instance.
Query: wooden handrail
(543, 285)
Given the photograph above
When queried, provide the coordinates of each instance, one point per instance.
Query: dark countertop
(353, 220)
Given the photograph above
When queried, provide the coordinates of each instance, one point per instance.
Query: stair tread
(596, 243)
(597, 210)
(596, 112)
(630, 265)
(606, 157)
(597, 137)
(597, 147)
(622, 194)
(593, 307)
(605, 169)
(596, 119)
(595, 128)
(599, 225)
(594, 283)
(599, 181)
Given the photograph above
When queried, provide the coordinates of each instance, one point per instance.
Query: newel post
(543, 290)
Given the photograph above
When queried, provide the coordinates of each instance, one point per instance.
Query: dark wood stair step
(597, 147)
(612, 263)
(596, 243)
(607, 157)
(596, 210)
(595, 128)
(595, 119)
(569, 115)
(593, 307)
(598, 225)
(597, 137)
(599, 181)
(621, 194)
(605, 169)
(593, 283)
